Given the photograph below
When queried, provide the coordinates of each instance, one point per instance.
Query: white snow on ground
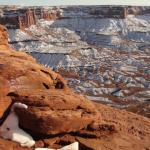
(73, 146)
(10, 128)
(107, 32)
(100, 99)
(18, 35)
(36, 31)
(45, 23)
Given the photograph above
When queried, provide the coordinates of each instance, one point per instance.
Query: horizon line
(75, 5)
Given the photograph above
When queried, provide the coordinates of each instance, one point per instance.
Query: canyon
(102, 54)
(56, 115)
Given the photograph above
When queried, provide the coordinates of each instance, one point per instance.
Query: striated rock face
(56, 116)
(14, 18)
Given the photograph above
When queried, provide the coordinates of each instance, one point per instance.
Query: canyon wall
(23, 18)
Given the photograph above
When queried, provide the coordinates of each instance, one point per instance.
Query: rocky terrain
(56, 115)
(104, 58)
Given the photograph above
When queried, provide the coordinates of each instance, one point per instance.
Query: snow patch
(10, 128)
(73, 146)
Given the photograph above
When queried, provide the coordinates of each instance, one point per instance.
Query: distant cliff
(23, 18)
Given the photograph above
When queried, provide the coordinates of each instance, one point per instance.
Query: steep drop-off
(104, 58)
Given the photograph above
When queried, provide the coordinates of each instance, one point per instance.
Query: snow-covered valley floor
(107, 60)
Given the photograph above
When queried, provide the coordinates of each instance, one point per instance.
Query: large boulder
(55, 111)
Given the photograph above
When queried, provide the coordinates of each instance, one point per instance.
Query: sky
(75, 2)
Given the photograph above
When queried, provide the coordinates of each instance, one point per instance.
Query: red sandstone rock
(54, 108)
(55, 111)
(3, 38)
